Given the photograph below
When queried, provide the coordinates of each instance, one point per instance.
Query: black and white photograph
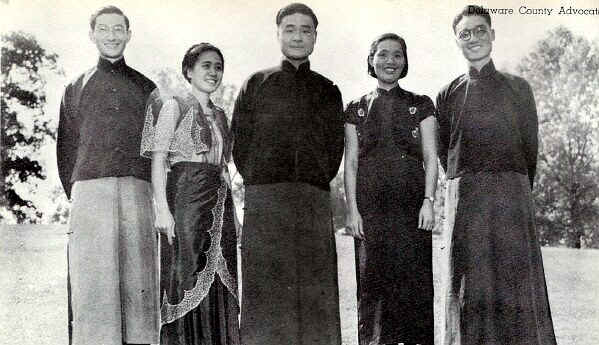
(322, 172)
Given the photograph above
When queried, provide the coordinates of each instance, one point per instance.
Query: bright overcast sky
(246, 33)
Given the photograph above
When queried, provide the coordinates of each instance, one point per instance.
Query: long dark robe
(290, 292)
(496, 290)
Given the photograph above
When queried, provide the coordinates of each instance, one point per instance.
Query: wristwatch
(430, 198)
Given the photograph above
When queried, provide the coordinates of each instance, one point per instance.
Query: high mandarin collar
(119, 65)
(289, 67)
(486, 71)
(394, 91)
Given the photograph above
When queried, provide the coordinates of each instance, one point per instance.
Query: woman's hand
(426, 218)
(354, 224)
(353, 217)
(428, 129)
(165, 223)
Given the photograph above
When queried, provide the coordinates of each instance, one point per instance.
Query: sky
(245, 31)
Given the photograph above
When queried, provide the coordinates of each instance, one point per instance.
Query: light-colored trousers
(113, 263)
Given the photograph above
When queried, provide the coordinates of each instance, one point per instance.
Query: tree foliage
(23, 124)
(563, 71)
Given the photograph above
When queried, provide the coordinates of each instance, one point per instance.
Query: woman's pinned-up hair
(193, 54)
(374, 46)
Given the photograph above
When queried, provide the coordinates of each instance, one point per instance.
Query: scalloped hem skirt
(198, 271)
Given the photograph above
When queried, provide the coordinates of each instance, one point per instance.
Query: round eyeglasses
(479, 32)
(117, 30)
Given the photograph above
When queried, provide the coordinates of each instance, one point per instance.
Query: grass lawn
(33, 288)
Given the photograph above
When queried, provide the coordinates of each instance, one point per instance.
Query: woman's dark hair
(193, 54)
(374, 46)
(107, 10)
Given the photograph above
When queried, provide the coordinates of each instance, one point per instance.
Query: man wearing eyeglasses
(112, 249)
(496, 291)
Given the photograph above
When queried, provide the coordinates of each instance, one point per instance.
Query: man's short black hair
(107, 10)
(472, 10)
(296, 7)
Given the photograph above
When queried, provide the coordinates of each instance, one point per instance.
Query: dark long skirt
(198, 272)
(394, 275)
(496, 285)
(289, 267)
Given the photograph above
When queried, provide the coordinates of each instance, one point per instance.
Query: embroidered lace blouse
(180, 127)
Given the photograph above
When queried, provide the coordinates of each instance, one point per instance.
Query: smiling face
(207, 73)
(388, 62)
(477, 48)
(110, 35)
(297, 36)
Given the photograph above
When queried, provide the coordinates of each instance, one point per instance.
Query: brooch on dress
(412, 110)
(416, 132)
(361, 112)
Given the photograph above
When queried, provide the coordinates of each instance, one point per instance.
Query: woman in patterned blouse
(188, 138)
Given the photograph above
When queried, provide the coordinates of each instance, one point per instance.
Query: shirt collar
(486, 71)
(288, 67)
(119, 65)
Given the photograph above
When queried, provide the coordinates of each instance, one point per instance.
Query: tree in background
(24, 128)
(563, 72)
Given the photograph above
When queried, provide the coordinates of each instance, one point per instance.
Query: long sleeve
(529, 127)
(444, 129)
(66, 141)
(242, 127)
(226, 135)
(335, 138)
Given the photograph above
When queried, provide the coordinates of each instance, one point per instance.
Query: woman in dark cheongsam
(188, 137)
(390, 135)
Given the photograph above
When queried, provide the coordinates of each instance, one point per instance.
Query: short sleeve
(352, 113)
(226, 134)
(158, 137)
(423, 108)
